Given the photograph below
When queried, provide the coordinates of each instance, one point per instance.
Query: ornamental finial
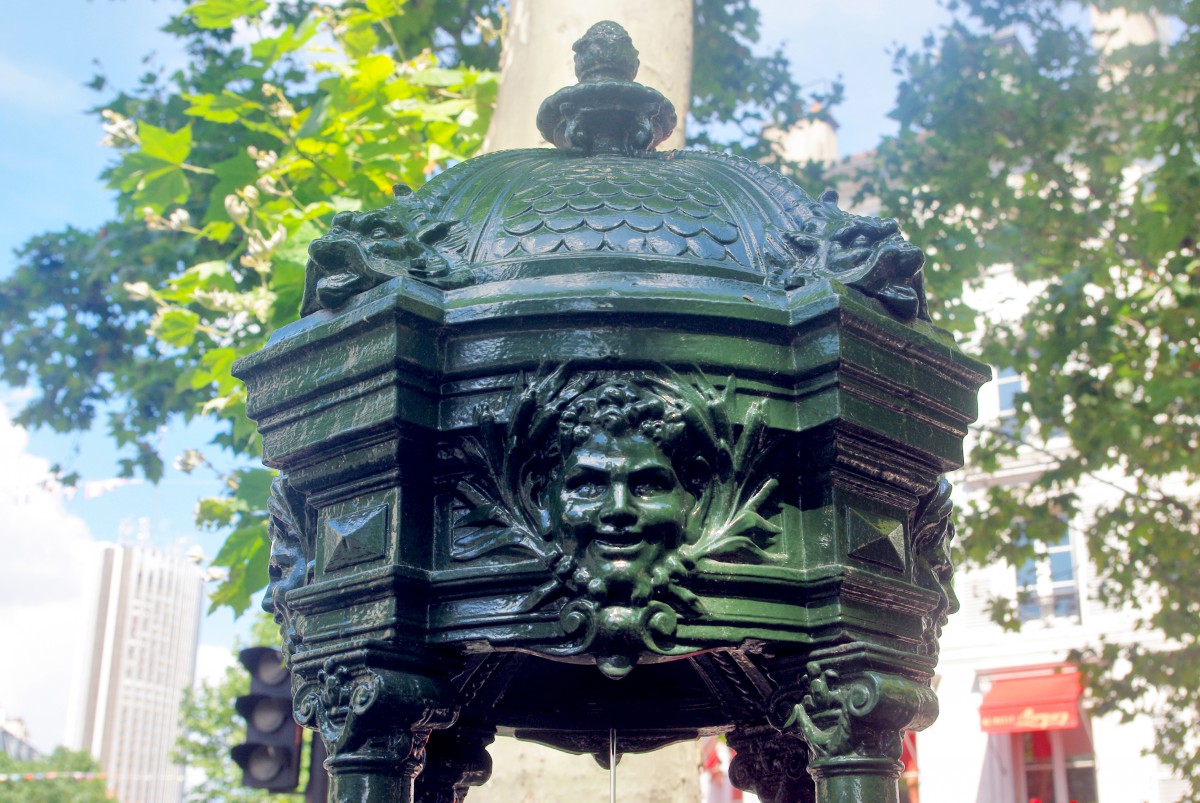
(607, 112)
(606, 53)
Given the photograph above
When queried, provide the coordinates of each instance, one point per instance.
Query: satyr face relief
(619, 485)
(619, 510)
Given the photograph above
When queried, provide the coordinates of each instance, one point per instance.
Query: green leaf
(176, 327)
(437, 76)
(217, 365)
(226, 107)
(166, 146)
(218, 231)
(217, 511)
(232, 174)
(372, 71)
(268, 51)
(211, 14)
(382, 9)
(245, 553)
(359, 40)
(162, 188)
(254, 486)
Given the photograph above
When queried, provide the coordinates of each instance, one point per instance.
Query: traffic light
(270, 757)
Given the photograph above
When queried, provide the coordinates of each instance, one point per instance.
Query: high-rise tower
(143, 657)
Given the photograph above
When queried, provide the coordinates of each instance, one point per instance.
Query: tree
(226, 169)
(63, 779)
(224, 172)
(1024, 141)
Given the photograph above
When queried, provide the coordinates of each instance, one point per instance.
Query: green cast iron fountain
(598, 437)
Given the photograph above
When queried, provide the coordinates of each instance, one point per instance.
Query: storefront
(1038, 711)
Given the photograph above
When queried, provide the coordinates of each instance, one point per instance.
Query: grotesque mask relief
(289, 564)
(365, 249)
(619, 483)
(866, 253)
(932, 532)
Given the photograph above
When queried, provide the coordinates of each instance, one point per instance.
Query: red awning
(1039, 703)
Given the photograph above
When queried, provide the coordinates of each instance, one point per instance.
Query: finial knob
(607, 112)
(606, 53)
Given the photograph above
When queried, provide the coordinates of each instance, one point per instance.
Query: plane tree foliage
(225, 169)
(1025, 142)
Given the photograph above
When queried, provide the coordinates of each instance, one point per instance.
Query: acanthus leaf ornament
(366, 711)
(620, 484)
(772, 765)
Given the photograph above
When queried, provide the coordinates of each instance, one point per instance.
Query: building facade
(1014, 726)
(143, 657)
(14, 739)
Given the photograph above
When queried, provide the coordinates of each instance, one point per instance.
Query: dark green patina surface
(600, 437)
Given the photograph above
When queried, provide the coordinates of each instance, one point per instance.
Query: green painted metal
(600, 437)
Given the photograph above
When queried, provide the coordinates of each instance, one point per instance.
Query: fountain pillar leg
(375, 723)
(853, 720)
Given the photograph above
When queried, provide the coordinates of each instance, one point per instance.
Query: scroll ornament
(370, 713)
(860, 716)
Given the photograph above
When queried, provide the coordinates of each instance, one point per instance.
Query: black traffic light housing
(270, 756)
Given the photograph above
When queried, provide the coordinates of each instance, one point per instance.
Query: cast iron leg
(853, 721)
(375, 724)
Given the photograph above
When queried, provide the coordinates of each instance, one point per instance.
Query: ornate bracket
(291, 562)
(772, 765)
(856, 719)
(457, 759)
(933, 570)
(366, 714)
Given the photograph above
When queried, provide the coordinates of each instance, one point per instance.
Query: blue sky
(49, 167)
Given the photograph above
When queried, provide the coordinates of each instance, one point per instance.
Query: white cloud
(46, 572)
(211, 662)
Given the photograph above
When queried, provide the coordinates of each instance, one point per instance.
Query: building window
(1008, 385)
(1055, 766)
(1047, 584)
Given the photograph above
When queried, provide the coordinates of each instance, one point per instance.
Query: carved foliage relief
(619, 484)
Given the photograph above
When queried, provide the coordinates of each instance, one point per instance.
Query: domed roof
(603, 200)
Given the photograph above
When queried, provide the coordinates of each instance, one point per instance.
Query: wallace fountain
(599, 442)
